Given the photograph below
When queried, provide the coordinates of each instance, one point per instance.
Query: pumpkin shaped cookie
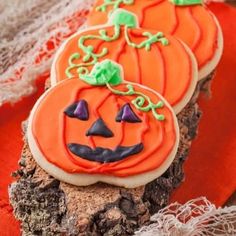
(189, 20)
(103, 130)
(160, 62)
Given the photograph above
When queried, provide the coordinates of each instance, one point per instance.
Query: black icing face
(80, 111)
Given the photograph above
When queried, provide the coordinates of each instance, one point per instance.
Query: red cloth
(210, 169)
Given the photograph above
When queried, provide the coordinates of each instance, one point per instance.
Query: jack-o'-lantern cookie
(189, 20)
(103, 129)
(156, 60)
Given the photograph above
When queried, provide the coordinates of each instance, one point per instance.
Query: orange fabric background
(210, 169)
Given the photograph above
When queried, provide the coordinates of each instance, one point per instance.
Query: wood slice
(46, 206)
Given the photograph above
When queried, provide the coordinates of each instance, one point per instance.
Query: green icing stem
(140, 100)
(123, 17)
(102, 73)
(115, 3)
(187, 2)
(91, 58)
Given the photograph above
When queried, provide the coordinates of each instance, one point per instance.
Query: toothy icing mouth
(104, 155)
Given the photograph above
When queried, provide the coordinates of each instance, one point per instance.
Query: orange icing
(53, 130)
(194, 25)
(166, 69)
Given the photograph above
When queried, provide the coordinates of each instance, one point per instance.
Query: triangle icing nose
(99, 128)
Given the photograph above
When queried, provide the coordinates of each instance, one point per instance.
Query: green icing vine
(115, 3)
(91, 58)
(186, 2)
(159, 37)
(108, 73)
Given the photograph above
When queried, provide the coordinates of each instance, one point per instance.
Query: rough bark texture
(46, 206)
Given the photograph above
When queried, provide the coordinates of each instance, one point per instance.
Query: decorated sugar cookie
(100, 128)
(189, 20)
(156, 60)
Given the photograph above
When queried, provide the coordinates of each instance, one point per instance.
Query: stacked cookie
(106, 142)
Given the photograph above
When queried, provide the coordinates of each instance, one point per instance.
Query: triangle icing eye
(127, 114)
(69, 111)
(81, 111)
(78, 110)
